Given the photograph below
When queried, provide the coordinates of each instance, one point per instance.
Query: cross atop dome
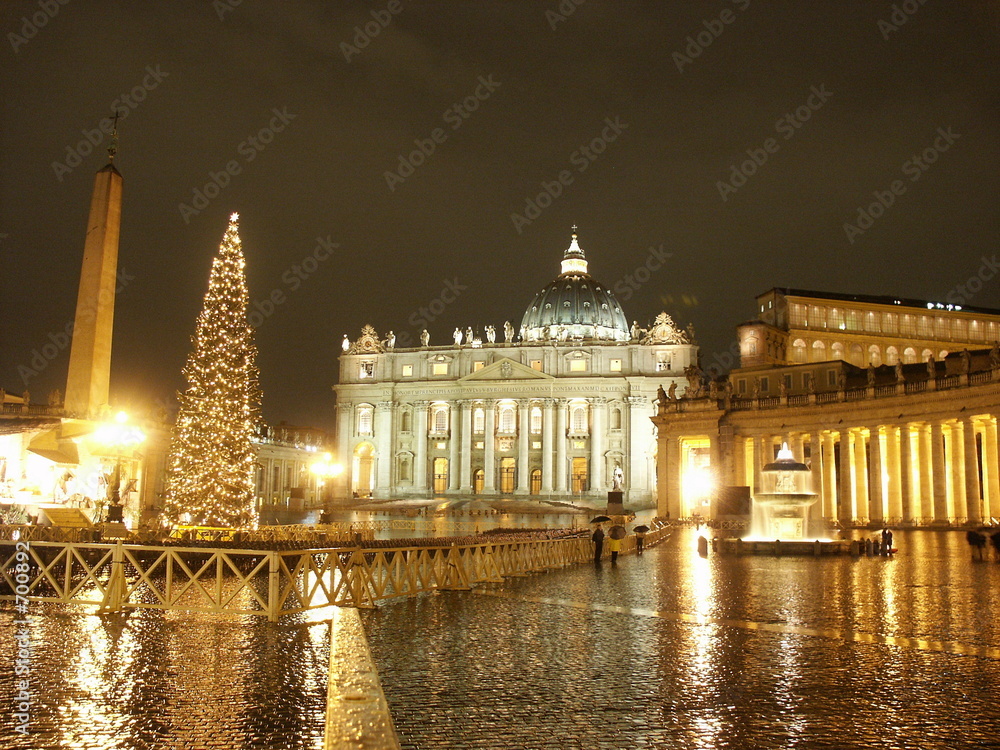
(574, 261)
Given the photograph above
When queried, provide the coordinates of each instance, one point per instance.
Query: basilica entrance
(508, 475)
(440, 475)
(579, 475)
(364, 469)
(536, 482)
(477, 482)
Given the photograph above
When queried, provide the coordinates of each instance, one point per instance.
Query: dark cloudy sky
(686, 111)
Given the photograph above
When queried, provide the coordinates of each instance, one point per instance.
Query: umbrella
(617, 532)
(641, 528)
(600, 519)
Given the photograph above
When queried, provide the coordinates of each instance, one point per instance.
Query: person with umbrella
(640, 537)
(598, 539)
(616, 535)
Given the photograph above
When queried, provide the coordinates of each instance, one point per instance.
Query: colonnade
(884, 472)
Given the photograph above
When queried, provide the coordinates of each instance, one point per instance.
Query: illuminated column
(560, 438)
(638, 483)
(956, 462)
(465, 485)
(894, 499)
(797, 443)
(597, 461)
(670, 477)
(455, 423)
(991, 472)
(523, 426)
(846, 486)
(547, 435)
(860, 476)
(740, 461)
(342, 483)
(876, 498)
(763, 450)
(972, 494)
(829, 476)
(420, 459)
(907, 505)
(489, 446)
(926, 506)
(816, 469)
(383, 442)
(940, 477)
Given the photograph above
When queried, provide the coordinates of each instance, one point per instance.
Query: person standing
(598, 539)
(640, 538)
(615, 546)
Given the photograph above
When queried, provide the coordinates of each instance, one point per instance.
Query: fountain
(780, 513)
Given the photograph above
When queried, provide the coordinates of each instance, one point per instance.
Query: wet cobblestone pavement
(670, 650)
(159, 680)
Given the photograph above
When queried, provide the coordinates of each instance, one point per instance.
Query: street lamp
(326, 470)
(118, 435)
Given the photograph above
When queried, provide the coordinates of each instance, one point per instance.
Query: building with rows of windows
(553, 410)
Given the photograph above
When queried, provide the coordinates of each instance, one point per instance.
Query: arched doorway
(579, 474)
(536, 482)
(477, 482)
(508, 475)
(440, 475)
(363, 478)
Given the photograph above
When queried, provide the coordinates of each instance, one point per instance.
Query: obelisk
(90, 354)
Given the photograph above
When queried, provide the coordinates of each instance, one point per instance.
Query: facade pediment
(505, 369)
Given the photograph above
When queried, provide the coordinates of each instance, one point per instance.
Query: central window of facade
(366, 415)
(536, 420)
(508, 423)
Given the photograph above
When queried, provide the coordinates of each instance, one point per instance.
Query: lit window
(477, 366)
(536, 445)
(536, 364)
(578, 365)
(536, 420)
(478, 419)
(440, 368)
(616, 365)
(578, 420)
(579, 444)
(366, 369)
(506, 420)
(366, 415)
(480, 445)
(440, 423)
(407, 371)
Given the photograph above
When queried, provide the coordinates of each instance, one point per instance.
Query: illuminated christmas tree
(211, 463)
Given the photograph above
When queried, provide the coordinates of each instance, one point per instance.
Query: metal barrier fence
(267, 583)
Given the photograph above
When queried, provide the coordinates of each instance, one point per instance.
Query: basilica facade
(557, 408)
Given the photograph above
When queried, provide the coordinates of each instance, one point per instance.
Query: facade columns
(894, 495)
(454, 443)
(940, 503)
(816, 468)
(990, 469)
(925, 506)
(547, 436)
(876, 490)
(342, 483)
(906, 473)
(829, 477)
(972, 489)
(956, 462)
(465, 477)
(383, 446)
(636, 473)
(420, 457)
(670, 479)
(523, 427)
(597, 430)
(489, 446)
(860, 476)
(560, 469)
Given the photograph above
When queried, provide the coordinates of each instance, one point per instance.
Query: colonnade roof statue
(574, 305)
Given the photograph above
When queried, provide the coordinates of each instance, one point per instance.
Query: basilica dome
(574, 306)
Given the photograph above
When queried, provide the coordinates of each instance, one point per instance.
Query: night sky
(632, 113)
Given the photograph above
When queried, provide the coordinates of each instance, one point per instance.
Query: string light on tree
(211, 463)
